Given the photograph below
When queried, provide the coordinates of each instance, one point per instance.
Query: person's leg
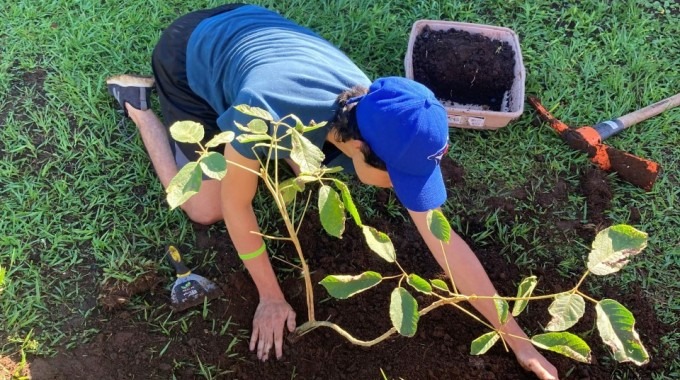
(202, 208)
(178, 102)
(132, 93)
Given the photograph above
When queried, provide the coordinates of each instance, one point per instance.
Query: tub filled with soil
(475, 70)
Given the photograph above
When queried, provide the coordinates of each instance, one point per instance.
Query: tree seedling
(611, 250)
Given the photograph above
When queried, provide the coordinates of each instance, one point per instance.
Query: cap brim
(419, 193)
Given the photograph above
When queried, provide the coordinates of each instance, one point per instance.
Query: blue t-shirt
(254, 56)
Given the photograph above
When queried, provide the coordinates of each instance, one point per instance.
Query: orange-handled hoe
(633, 169)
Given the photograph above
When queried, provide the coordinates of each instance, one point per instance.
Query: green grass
(80, 203)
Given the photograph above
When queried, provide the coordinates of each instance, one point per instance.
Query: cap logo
(437, 157)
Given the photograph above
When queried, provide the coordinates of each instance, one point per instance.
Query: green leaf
(213, 165)
(254, 112)
(438, 225)
(482, 344)
(404, 312)
(307, 155)
(524, 290)
(187, 131)
(566, 310)
(617, 329)
(502, 308)
(289, 189)
(439, 284)
(379, 243)
(220, 138)
(348, 202)
(342, 286)
(248, 138)
(3, 273)
(418, 283)
(258, 126)
(184, 184)
(564, 343)
(241, 127)
(331, 211)
(613, 247)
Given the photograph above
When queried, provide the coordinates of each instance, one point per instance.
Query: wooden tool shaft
(612, 127)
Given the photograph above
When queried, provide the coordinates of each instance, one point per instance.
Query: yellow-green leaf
(617, 329)
(482, 344)
(220, 138)
(379, 243)
(213, 165)
(184, 185)
(254, 112)
(187, 131)
(258, 126)
(304, 153)
(438, 225)
(418, 283)
(404, 312)
(564, 343)
(343, 286)
(524, 290)
(566, 310)
(348, 202)
(331, 211)
(502, 308)
(289, 189)
(439, 284)
(613, 247)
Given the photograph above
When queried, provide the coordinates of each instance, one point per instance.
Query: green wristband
(252, 255)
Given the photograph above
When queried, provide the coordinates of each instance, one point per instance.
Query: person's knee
(204, 216)
(205, 207)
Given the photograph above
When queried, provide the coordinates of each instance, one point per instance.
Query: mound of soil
(462, 67)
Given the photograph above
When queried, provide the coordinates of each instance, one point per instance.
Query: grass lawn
(81, 207)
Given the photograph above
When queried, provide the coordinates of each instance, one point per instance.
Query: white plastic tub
(467, 116)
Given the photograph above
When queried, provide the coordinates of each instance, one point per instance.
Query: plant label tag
(455, 119)
(476, 121)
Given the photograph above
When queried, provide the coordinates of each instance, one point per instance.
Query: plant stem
(586, 297)
(311, 325)
(581, 281)
(270, 237)
(273, 187)
(533, 298)
(448, 268)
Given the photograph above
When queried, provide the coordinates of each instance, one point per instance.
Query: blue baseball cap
(406, 126)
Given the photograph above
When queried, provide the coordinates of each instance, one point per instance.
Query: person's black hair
(345, 126)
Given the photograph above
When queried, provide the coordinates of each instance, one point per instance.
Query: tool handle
(175, 259)
(612, 127)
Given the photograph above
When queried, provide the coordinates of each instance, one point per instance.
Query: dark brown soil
(129, 348)
(462, 67)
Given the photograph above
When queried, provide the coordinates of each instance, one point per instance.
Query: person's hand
(531, 360)
(268, 323)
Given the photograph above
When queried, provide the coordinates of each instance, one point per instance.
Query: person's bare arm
(471, 278)
(273, 312)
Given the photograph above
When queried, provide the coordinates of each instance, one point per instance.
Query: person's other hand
(531, 360)
(268, 323)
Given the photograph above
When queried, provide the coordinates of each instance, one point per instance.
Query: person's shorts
(177, 101)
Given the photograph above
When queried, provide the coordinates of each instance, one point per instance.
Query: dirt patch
(117, 293)
(462, 67)
(131, 348)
